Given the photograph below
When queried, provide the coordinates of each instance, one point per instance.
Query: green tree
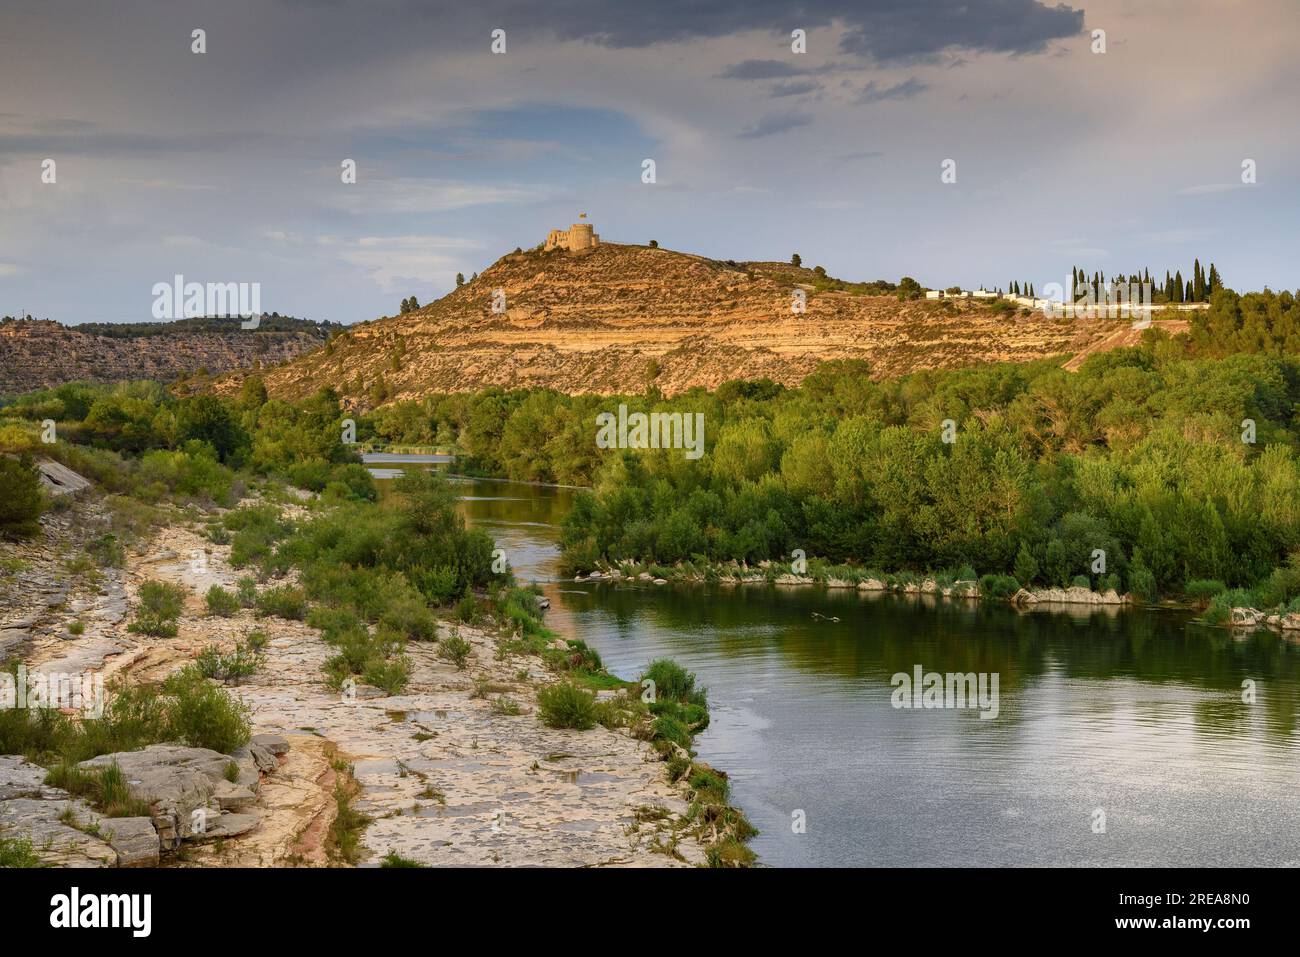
(21, 501)
(208, 419)
(253, 393)
(1026, 566)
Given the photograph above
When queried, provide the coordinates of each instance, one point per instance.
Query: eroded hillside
(618, 318)
(42, 354)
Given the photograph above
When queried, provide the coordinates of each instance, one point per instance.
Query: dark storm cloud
(882, 29)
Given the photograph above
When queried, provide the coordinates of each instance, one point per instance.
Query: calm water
(1136, 713)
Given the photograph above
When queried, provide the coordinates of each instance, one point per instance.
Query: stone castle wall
(577, 237)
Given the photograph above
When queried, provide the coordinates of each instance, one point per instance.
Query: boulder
(10, 639)
(233, 797)
(275, 743)
(134, 839)
(174, 781)
(1247, 617)
(228, 825)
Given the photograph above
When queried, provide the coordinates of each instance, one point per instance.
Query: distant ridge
(38, 354)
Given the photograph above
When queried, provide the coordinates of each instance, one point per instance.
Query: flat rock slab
(30, 810)
(53, 841)
(19, 778)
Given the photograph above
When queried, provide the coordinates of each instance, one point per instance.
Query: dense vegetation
(370, 573)
(1146, 454)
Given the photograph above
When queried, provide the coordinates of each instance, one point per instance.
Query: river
(1121, 739)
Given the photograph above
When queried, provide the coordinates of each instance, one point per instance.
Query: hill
(37, 354)
(618, 318)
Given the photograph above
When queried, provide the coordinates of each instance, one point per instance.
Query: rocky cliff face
(36, 355)
(617, 318)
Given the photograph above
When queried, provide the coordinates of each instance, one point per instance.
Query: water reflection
(1138, 713)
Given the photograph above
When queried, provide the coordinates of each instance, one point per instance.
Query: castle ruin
(577, 237)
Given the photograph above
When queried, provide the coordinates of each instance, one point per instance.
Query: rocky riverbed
(446, 775)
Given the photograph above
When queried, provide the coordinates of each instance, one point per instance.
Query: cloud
(794, 88)
(1206, 189)
(905, 30)
(761, 70)
(394, 262)
(406, 195)
(882, 30)
(874, 93)
(774, 123)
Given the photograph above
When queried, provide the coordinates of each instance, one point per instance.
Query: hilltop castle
(576, 237)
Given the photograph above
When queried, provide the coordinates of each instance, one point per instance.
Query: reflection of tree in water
(879, 635)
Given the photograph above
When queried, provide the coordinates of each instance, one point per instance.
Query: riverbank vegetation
(372, 573)
(1167, 470)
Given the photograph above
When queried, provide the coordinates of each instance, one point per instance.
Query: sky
(226, 165)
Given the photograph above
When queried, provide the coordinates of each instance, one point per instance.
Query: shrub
(241, 663)
(667, 727)
(283, 601)
(1221, 605)
(246, 591)
(565, 705)
(1141, 582)
(409, 616)
(1202, 590)
(672, 682)
(221, 602)
(577, 657)
(393, 859)
(1081, 581)
(105, 787)
(107, 550)
(160, 604)
(455, 649)
(18, 852)
(505, 706)
(729, 852)
(204, 715)
(998, 586)
(1282, 585)
(190, 474)
(390, 676)
(468, 610)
